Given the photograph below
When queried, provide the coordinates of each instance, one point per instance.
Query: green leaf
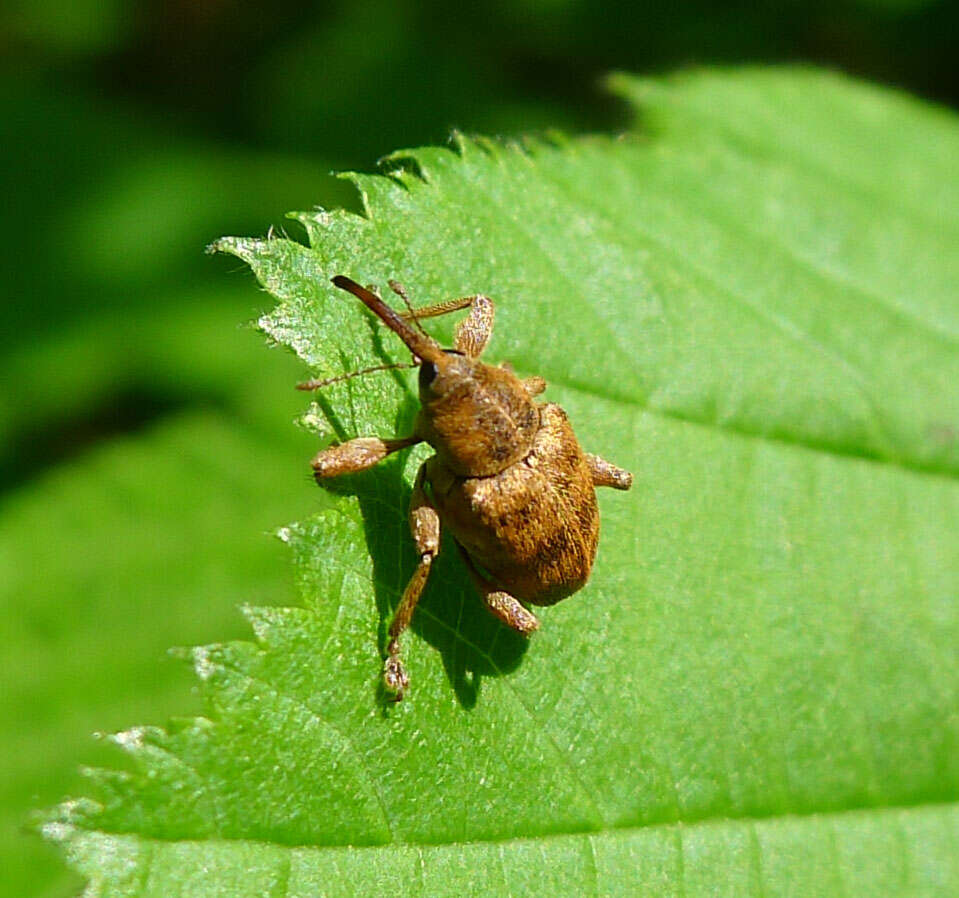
(749, 303)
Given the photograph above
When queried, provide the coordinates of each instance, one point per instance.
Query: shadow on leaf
(449, 615)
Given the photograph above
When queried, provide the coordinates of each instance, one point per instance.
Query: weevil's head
(480, 419)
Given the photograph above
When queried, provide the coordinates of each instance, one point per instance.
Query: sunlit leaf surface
(749, 302)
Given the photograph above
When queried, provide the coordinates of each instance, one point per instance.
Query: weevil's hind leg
(473, 332)
(501, 604)
(605, 473)
(356, 455)
(425, 526)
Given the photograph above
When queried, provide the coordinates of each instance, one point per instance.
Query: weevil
(508, 477)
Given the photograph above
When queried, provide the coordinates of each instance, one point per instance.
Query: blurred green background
(146, 445)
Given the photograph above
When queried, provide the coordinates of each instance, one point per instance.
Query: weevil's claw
(395, 678)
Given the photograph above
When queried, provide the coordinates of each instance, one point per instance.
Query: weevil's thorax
(479, 418)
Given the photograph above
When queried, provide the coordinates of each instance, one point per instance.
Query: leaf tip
(283, 534)
(402, 166)
(180, 652)
(130, 740)
(458, 142)
(203, 664)
(315, 421)
(356, 179)
(244, 248)
(632, 89)
(263, 621)
(60, 823)
(56, 831)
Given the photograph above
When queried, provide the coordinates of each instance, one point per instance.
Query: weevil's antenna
(421, 345)
(400, 291)
(316, 384)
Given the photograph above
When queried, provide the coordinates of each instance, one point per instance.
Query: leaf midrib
(665, 825)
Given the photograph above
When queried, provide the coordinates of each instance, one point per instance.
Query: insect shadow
(450, 616)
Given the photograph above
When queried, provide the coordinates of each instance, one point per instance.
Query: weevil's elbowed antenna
(316, 383)
(422, 346)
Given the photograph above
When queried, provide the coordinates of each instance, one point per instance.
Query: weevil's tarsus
(510, 611)
(395, 678)
(473, 332)
(319, 383)
(605, 473)
(425, 527)
(356, 455)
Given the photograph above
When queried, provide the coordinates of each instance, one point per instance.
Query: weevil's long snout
(421, 345)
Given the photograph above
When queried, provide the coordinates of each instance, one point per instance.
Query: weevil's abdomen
(533, 528)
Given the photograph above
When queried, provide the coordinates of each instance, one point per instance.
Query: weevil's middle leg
(425, 526)
(472, 333)
(605, 473)
(534, 385)
(501, 604)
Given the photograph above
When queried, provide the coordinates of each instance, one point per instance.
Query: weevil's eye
(427, 374)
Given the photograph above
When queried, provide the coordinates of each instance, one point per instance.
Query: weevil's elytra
(508, 477)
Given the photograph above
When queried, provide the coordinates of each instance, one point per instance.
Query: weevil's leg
(356, 455)
(534, 385)
(425, 526)
(473, 332)
(501, 604)
(607, 474)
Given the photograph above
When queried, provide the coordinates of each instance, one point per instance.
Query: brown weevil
(508, 477)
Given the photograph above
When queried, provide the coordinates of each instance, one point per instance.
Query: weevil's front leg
(473, 332)
(425, 525)
(501, 604)
(356, 455)
(605, 473)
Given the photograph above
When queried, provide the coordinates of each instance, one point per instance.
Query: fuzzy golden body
(532, 528)
(508, 478)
